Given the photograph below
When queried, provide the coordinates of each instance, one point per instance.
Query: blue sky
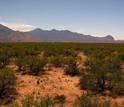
(94, 17)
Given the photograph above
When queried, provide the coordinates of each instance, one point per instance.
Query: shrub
(60, 98)
(79, 58)
(49, 52)
(7, 79)
(90, 101)
(100, 72)
(4, 60)
(67, 52)
(56, 61)
(36, 64)
(47, 101)
(68, 60)
(121, 56)
(28, 101)
(20, 61)
(118, 88)
(72, 69)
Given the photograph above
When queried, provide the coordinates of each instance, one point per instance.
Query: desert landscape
(56, 76)
(61, 53)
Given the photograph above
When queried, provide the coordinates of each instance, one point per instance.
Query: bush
(121, 56)
(72, 69)
(56, 61)
(47, 101)
(102, 71)
(20, 61)
(89, 101)
(60, 98)
(7, 79)
(68, 60)
(4, 60)
(36, 64)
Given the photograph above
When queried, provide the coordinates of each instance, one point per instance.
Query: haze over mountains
(39, 35)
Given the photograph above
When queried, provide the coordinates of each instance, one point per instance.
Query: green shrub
(79, 58)
(4, 60)
(67, 52)
(70, 60)
(56, 61)
(90, 101)
(30, 101)
(118, 88)
(72, 69)
(100, 72)
(60, 98)
(49, 52)
(121, 56)
(20, 61)
(7, 79)
(36, 65)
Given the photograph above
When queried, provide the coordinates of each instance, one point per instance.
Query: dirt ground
(54, 82)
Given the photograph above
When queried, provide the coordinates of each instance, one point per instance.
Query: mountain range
(66, 35)
(39, 35)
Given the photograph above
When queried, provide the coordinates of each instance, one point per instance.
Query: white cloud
(98, 35)
(17, 25)
(0, 18)
(80, 31)
(25, 30)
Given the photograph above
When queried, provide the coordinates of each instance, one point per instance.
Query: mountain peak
(53, 30)
(110, 37)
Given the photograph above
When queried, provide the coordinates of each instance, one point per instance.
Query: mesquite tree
(101, 73)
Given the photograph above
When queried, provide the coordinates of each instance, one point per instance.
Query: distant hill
(66, 35)
(4, 32)
(18, 36)
(39, 35)
(119, 40)
(8, 35)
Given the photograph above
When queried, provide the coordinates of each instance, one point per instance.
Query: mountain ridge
(67, 35)
(40, 35)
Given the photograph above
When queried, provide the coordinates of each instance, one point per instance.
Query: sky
(91, 17)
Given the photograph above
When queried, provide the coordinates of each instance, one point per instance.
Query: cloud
(98, 35)
(25, 30)
(0, 18)
(80, 31)
(17, 25)
(18, 20)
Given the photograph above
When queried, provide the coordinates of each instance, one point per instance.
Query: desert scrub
(7, 79)
(4, 60)
(36, 65)
(121, 56)
(91, 101)
(56, 61)
(102, 73)
(60, 98)
(30, 101)
(72, 69)
(20, 61)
